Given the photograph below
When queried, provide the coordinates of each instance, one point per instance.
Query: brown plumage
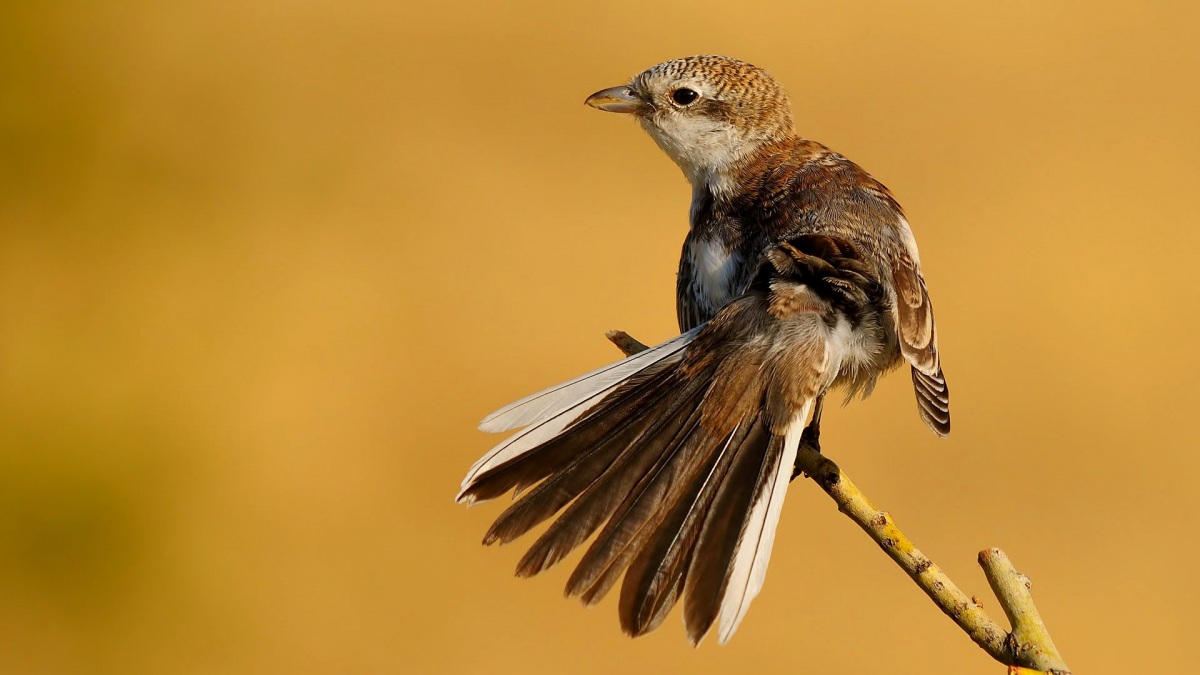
(795, 186)
(799, 274)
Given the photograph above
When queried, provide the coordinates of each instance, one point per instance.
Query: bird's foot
(811, 436)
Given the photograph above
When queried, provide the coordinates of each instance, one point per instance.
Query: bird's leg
(811, 436)
(812, 433)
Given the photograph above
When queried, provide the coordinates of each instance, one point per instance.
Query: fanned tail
(678, 463)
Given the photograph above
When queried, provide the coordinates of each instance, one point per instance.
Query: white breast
(714, 267)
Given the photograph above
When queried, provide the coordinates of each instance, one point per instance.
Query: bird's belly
(865, 352)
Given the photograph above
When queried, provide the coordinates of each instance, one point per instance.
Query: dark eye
(684, 96)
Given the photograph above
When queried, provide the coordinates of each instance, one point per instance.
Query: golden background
(264, 265)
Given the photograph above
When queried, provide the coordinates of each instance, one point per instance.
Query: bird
(799, 274)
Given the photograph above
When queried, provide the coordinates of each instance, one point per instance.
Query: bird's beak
(618, 100)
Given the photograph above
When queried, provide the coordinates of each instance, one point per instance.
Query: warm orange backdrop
(263, 265)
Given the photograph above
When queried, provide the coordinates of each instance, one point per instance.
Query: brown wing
(917, 333)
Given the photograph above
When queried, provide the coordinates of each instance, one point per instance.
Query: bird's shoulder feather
(799, 187)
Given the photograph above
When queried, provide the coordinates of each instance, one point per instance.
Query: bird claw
(811, 436)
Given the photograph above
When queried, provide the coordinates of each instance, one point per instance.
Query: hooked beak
(618, 100)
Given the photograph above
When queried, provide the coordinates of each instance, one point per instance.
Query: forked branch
(1026, 647)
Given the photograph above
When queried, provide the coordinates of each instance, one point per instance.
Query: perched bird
(799, 274)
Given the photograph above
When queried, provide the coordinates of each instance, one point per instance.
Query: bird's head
(706, 112)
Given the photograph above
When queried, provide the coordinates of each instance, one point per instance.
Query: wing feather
(917, 332)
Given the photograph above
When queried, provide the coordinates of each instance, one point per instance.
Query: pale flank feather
(754, 552)
(549, 402)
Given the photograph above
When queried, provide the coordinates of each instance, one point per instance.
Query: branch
(1029, 640)
(1027, 647)
(627, 344)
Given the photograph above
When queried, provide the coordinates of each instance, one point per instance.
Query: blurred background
(264, 265)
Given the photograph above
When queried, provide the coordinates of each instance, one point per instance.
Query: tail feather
(633, 524)
(549, 402)
(623, 491)
(548, 451)
(721, 535)
(516, 445)
(560, 488)
(754, 551)
(606, 497)
(655, 579)
(639, 518)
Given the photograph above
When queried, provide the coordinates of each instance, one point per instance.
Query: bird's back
(787, 189)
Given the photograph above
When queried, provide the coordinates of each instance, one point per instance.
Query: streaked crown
(727, 90)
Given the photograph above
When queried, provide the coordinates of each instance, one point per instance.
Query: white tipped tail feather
(549, 411)
(548, 402)
(754, 551)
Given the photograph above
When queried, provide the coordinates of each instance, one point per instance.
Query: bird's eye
(684, 96)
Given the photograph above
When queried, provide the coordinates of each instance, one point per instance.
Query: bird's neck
(719, 180)
(726, 177)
